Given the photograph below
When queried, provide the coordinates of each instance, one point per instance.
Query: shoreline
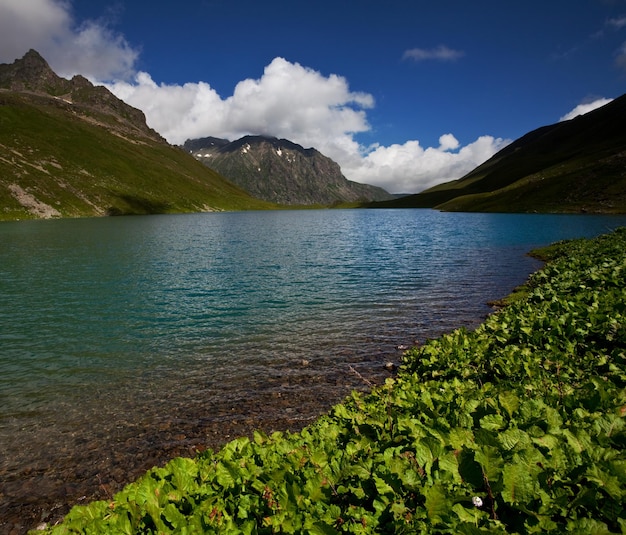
(475, 428)
(98, 477)
(206, 426)
(49, 492)
(94, 476)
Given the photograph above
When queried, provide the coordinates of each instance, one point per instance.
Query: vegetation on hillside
(516, 427)
(59, 163)
(572, 166)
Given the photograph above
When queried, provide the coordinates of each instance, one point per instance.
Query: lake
(125, 341)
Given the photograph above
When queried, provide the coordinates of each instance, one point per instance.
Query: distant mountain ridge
(72, 149)
(572, 166)
(280, 171)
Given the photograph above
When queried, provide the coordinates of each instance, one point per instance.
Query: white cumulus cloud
(89, 48)
(409, 167)
(297, 103)
(289, 100)
(585, 107)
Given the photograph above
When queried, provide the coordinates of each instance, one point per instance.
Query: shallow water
(125, 341)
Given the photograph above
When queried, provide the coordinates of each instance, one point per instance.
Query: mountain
(72, 149)
(33, 75)
(572, 166)
(280, 171)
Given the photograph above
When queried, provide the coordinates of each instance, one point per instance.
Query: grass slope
(572, 166)
(54, 162)
(516, 427)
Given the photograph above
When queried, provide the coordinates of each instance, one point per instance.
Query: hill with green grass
(572, 166)
(72, 149)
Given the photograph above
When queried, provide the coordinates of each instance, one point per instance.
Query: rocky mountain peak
(281, 171)
(204, 144)
(80, 82)
(32, 75)
(271, 142)
(33, 61)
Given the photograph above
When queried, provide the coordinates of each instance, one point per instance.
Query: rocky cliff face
(32, 75)
(280, 171)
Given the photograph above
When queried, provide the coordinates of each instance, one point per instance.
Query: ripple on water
(127, 341)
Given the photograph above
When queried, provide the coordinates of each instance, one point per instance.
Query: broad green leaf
(511, 438)
(547, 441)
(436, 501)
(411, 479)
(519, 485)
(320, 528)
(587, 526)
(313, 488)
(449, 465)
(490, 460)
(123, 525)
(173, 515)
(382, 487)
(465, 514)
(341, 411)
(426, 451)
(509, 401)
(492, 422)
(460, 438)
(609, 483)
(470, 470)
(184, 472)
(618, 469)
(359, 471)
(579, 441)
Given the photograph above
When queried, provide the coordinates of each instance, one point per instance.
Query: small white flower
(477, 501)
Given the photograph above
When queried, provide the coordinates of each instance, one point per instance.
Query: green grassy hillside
(61, 160)
(572, 166)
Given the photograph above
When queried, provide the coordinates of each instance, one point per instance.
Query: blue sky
(401, 94)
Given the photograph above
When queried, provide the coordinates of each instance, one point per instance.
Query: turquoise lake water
(117, 328)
